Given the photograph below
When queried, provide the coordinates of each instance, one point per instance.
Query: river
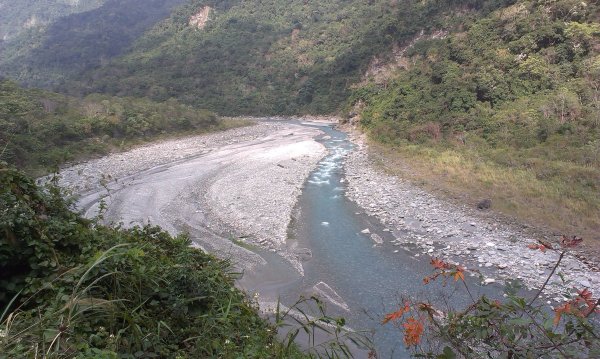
(347, 257)
(370, 278)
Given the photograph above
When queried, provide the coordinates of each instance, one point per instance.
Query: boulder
(484, 204)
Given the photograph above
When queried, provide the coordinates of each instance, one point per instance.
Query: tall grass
(70, 287)
(543, 193)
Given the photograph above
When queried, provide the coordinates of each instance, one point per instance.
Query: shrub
(517, 327)
(71, 287)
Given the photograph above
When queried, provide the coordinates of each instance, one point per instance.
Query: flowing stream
(348, 257)
(363, 278)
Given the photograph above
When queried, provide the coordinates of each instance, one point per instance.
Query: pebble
(498, 247)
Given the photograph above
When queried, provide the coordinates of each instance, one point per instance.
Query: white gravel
(427, 225)
(242, 183)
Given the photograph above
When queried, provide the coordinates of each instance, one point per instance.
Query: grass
(71, 287)
(557, 203)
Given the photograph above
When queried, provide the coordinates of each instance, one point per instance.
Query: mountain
(500, 94)
(268, 57)
(17, 17)
(506, 106)
(73, 36)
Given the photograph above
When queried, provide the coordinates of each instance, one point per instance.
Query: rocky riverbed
(242, 184)
(431, 227)
(231, 189)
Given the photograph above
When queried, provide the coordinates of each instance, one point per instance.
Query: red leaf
(439, 264)
(459, 274)
(413, 329)
(565, 308)
(397, 314)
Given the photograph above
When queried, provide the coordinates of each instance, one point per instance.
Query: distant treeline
(267, 57)
(40, 130)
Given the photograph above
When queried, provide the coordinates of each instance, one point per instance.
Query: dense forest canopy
(269, 57)
(513, 82)
(20, 16)
(249, 57)
(515, 93)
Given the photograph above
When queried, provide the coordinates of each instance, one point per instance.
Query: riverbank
(431, 226)
(231, 190)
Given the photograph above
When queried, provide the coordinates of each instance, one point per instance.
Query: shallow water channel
(361, 278)
(369, 278)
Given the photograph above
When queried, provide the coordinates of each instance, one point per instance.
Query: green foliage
(76, 38)
(40, 130)
(268, 57)
(517, 89)
(70, 287)
(18, 16)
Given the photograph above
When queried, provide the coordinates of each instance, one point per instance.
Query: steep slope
(71, 287)
(270, 56)
(40, 130)
(65, 46)
(504, 107)
(21, 16)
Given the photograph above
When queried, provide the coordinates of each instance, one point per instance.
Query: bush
(70, 287)
(518, 327)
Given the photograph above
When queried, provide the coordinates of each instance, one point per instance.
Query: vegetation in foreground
(506, 106)
(517, 327)
(72, 288)
(40, 130)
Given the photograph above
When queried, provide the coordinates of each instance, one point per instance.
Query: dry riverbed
(242, 184)
(431, 227)
(235, 186)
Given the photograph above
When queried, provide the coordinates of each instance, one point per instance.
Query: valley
(324, 220)
(299, 179)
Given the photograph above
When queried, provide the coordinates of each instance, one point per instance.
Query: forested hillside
(500, 96)
(271, 56)
(506, 105)
(40, 130)
(20, 16)
(60, 42)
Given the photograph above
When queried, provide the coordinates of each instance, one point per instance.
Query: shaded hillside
(40, 130)
(20, 16)
(271, 56)
(45, 55)
(506, 106)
